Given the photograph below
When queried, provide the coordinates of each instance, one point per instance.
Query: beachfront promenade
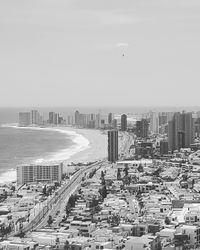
(56, 203)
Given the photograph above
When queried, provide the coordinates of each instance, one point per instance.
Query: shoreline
(89, 145)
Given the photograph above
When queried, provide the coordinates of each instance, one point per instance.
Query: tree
(118, 174)
(21, 233)
(67, 209)
(103, 182)
(72, 200)
(140, 168)
(5, 194)
(66, 246)
(50, 220)
(94, 202)
(167, 221)
(193, 182)
(102, 175)
(57, 242)
(157, 172)
(2, 230)
(126, 180)
(126, 170)
(114, 220)
(92, 173)
(184, 177)
(44, 191)
(103, 192)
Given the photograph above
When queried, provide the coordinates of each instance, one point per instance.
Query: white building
(39, 173)
(24, 119)
(145, 242)
(193, 233)
(154, 122)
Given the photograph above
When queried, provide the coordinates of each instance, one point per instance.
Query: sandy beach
(97, 148)
(88, 145)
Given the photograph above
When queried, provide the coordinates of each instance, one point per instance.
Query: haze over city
(99, 125)
(83, 53)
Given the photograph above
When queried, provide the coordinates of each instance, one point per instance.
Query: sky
(99, 53)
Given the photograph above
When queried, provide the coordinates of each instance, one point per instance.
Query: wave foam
(80, 144)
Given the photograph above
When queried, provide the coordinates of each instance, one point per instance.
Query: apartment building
(39, 173)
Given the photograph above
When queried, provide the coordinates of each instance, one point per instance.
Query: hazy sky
(99, 52)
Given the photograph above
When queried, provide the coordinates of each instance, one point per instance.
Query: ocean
(27, 145)
(18, 145)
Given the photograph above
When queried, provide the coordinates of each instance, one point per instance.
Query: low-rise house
(146, 242)
(193, 233)
(139, 229)
(96, 245)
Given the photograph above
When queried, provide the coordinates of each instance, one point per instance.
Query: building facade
(39, 173)
(110, 118)
(24, 119)
(180, 131)
(154, 122)
(112, 145)
(35, 117)
(123, 122)
(142, 128)
(164, 147)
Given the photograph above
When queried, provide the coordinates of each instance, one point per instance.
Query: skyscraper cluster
(86, 120)
(30, 118)
(142, 128)
(180, 131)
(97, 121)
(34, 118)
(55, 119)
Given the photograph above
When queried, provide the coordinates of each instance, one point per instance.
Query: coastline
(88, 145)
(96, 150)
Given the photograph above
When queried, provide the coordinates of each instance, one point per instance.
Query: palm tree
(66, 246)
(50, 220)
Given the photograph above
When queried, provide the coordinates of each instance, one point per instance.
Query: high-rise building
(110, 118)
(39, 173)
(91, 121)
(162, 118)
(112, 145)
(142, 128)
(114, 123)
(180, 131)
(55, 119)
(154, 123)
(24, 119)
(197, 127)
(164, 147)
(123, 122)
(51, 117)
(70, 120)
(77, 118)
(98, 121)
(35, 117)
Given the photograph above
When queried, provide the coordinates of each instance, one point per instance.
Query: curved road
(61, 196)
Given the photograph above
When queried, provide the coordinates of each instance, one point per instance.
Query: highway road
(59, 199)
(61, 196)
